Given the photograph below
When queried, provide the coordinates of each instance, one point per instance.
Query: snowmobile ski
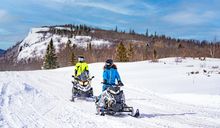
(136, 114)
(89, 99)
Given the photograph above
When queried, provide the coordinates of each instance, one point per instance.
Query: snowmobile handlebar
(119, 85)
(87, 79)
(91, 77)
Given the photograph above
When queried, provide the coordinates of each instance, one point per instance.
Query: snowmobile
(114, 102)
(82, 89)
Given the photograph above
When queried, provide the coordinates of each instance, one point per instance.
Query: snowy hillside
(168, 94)
(35, 44)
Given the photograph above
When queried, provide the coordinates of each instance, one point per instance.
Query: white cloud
(107, 6)
(4, 16)
(130, 7)
(189, 17)
(4, 31)
(149, 6)
(119, 7)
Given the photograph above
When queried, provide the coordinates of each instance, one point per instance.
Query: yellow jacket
(80, 67)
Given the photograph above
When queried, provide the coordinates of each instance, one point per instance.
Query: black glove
(74, 76)
(104, 81)
(87, 73)
(75, 72)
(120, 83)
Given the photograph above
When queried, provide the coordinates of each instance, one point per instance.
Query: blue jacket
(111, 74)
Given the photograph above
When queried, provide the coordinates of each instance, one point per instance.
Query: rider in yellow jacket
(81, 69)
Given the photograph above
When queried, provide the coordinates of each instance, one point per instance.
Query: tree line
(124, 47)
(127, 51)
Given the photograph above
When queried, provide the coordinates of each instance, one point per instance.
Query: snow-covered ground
(35, 44)
(168, 94)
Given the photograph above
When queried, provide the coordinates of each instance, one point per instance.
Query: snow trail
(165, 94)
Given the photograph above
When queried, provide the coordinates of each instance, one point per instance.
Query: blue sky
(188, 19)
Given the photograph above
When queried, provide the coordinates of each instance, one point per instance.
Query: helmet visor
(81, 59)
(108, 64)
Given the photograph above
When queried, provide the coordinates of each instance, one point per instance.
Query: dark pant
(104, 87)
(84, 76)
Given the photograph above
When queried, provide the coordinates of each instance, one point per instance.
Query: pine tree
(89, 46)
(73, 55)
(121, 53)
(73, 58)
(146, 51)
(146, 34)
(116, 29)
(50, 61)
(133, 32)
(68, 53)
(155, 56)
(130, 52)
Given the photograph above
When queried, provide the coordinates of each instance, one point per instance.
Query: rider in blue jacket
(110, 75)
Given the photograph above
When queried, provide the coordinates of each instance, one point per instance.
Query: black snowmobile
(114, 102)
(82, 89)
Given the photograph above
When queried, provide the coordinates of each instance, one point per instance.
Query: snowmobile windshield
(114, 90)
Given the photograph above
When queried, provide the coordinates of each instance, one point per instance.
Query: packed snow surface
(168, 95)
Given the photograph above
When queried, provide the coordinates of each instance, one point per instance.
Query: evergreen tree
(68, 53)
(154, 56)
(121, 53)
(89, 46)
(132, 32)
(73, 55)
(68, 44)
(146, 34)
(50, 61)
(73, 58)
(130, 52)
(146, 51)
(116, 29)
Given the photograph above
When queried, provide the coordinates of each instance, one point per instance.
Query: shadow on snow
(160, 115)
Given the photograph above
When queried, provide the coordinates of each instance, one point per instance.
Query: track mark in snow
(3, 93)
(160, 115)
(27, 87)
(130, 99)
